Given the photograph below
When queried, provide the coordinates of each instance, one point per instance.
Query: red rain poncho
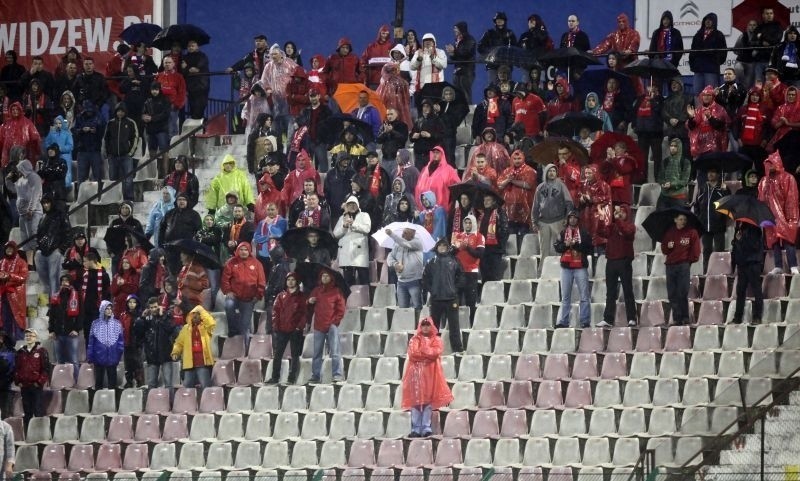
(779, 191)
(518, 201)
(424, 381)
(13, 275)
(293, 185)
(437, 181)
(788, 111)
(496, 154)
(18, 130)
(595, 207)
(267, 193)
(704, 137)
(394, 92)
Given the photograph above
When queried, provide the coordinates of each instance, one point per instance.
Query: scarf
(309, 218)
(706, 33)
(665, 42)
(492, 111)
(183, 181)
(571, 36)
(572, 234)
(427, 220)
(236, 228)
(263, 237)
(705, 126)
(435, 75)
(297, 139)
(790, 53)
(198, 359)
(375, 181)
(645, 110)
(99, 286)
(491, 228)
(753, 118)
(608, 101)
(457, 217)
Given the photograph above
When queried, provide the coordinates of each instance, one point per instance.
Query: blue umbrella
(137, 33)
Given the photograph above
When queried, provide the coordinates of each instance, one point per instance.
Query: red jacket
(244, 278)
(121, 292)
(617, 174)
(13, 287)
(685, 248)
(342, 70)
(620, 238)
(376, 49)
(297, 91)
(192, 281)
(31, 366)
(174, 87)
(329, 306)
(289, 313)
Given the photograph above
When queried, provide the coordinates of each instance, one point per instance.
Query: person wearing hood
(574, 244)
(179, 223)
(424, 385)
(405, 259)
(704, 62)
(469, 246)
(11, 74)
(293, 185)
(64, 324)
(389, 211)
(517, 184)
(118, 243)
(31, 373)
(529, 113)
(624, 40)
(617, 169)
(276, 282)
(317, 79)
(210, 234)
(289, 317)
(648, 125)
(342, 66)
(498, 36)
(378, 184)
(778, 189)
(328, 306)
(151, 280)
(536, 39)
(183, 180)
(73, 257)
(243, 283)
(61, 135)
(751, 123)
(193, 348)
(394, 88)
(493, 224)
(261, 101)
(594, 203)
(192, 281)
(337, 185)
(135, 89)
(432, 216)
(426, 134)
(674, 112)
(674, 177)
(268, 193)
(714, 223)
(619, 267)
(52, 239)
(493, 112)
(442, 278)
(351, 144)
(667, 38)
(18, 131)
(106, 346)
(375, 56)
(67, 110)
(124, 283)
(436, 177)
(766, 34)
(88, 134)
(156, 332)
(230, 179)
(551, 204)
(275, 78)
(194, 68)
(407, 171)
(359, 188)
(156, 116)
(268, 230)
(786, 122)
(707, 125)
(495, 153)
(29, 204)
(13, 290)
(352, 231)
(53, 170)
(429, 62)
(134, 369)
(592, 107)
(452, 114)
(158, 212)
(121, 139)
(749, 184)
(224, 215)
(297, 97)
(7, 358)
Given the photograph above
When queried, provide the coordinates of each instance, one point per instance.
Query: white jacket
(424, 65)
(353, 241)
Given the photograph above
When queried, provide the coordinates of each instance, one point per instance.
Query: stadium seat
(515, 423)
(53, 458)
(573, 423)
(137, 458)
(212, 399)
(370, 425)
(175, 427)
(286, 426)
(584, 365)
(120, 428)
(602, 422)
(350, 397)
(314, 426)
(163, 457)
(109, 457)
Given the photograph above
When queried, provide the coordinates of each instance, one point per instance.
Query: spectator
(88, 134)
(493, 224)
(442, 279)
(64, 324)
(469, 245)
(96, 287)
(367, 113)
(405, 259)
(746, 56)
(432, 216)
(390, 212)
(492, 112)
(194, 67)
(124, 283)
(257, 58)
(28, 186)
(296, 96)
(158, 212)
(574, 36)
(61, 135)
(121, 139)
(11, 74)
(774, 91)
(13, 290)
(426, 134)
(136, 90)
(351, 144)
(184, 181)
(211, 235)
(436, 177)
(462, 55)
(714, 223)
(731, 94)
(292, 53)
(7, 358)
(624, 40)
(52, 170)
(275, 78)
(674, 177)
(375, 56)
(230, 179)
(243, 284)
(18, 131)
(173, 86)
(517, 184)
(8, 457)
(767, 34)
(462, 207)
(289, 315)
(224, 215)
(156, 116)
(91, 85)
(392, 136)
(429, 62)
(778, 189)
(38, 106)
(73, 257)
(328, 307)
(106, 347)
(315, 213)
(179, 223)
(574, 244)
(31, 373)
(276, 282)
(649, 127)
(569, 171)
(154, 273)
(667, 38)
(157, 331)
(618, 106)
(499, 36)
(708, 52)
(747, 259)
(337, 185)
(352, 230)
(594, 203)
(592, 107)
(193, 348)
(238, 230)
(616, 170)
(750, 125)
(681, 246)
(674, 112)
(528, 112)
(619, 267)
(551, 204)
(564, 101)
(342, 66)
(52, 237)
(480, 170)
(192, 281)
(424, 385)
(310, 118)
(313, 251)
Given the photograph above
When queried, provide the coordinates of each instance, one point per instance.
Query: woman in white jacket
(429, 62)
(352, 230)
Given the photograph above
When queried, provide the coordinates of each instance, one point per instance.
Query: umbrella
(609, 139)
(201, 252)
(181, 34)
(723, 161)
(570, 123)
(657, 223)
(546, 152)
(651, 67)
(397, 228)
(309, 275)
(474, 190)
(115, 238)
(294, 241)
(569, 58)
(330, 129)
(746, 208)
(346, 96)
(595, 81)
(751, 9)
(513, 56)
(433, 91)
(137, 33)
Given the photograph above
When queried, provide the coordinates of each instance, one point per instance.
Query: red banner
(49, 29)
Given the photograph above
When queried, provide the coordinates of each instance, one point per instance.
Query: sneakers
(313, 380)
(562, 326)
(632, 323)
(603, 324)
(414, 435)
(338, 378)
(777, 270)
(795, 271)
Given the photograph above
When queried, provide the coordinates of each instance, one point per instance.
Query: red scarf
(183, 181)
(608, 101)
(427, 220)
(571, 36)
(99, 286)
(375, 182)
(491, 230)
(457, 218)
(310, 218)
(492, 111)
(572, 234)
(7, 267)
(198, 359)
(297, 139)
(752, 120)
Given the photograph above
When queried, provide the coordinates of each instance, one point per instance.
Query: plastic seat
(390, 453)
(499, 368)
(549, 395)
(369, 344)
(649, 339)
(478, 453)
(579, 394)
(548, 291)
(230, 427)
(535, 341)
(304, 454)
(448, 453)
(399, 421)
(636, 393)
(515, 423)
(260, 347)
(556, 367)
(456, 424)
(656, 289)
(120, 428)
(723, 420)
(615, 365)
(491, 395)
(727, 392)
(332, 454)
(731, 364)
(65, 429)
(480, 342)
(163, 457)
(493, 292)
(359, 296)
(651, 313)
(607, 393)
(322, 399)
(716, 287)
(662, 421)
(81, 458)
(233, 348)
(276, 453)
(248, 454)
(711, 313)
(763, 363)
(362, 454)
(130, 401)
(384, 296)
(540, 316)
(564, 341)
(53, 458)
(765, 336)
(109, 456)
(528, 367)
(343, 425)
(696, 391)
(485, 424)
(39, 430)
(485, 317)
(286, 426)
(591, 341)
(758, 391)
(573, 423)
(632, 422)
(520, 394)
(420, 453)
(371, 425)
(396, 344)
(643, 364)
(678, 338)
(62, 377)
(77, 402)
(626, 452)
(93, 429)
(649, 194)
(463, 395)
(774, 286)
(566, 452)
(602, 422)
(350, 397)
(239, 399)
(249, 372)
(203, 427)
(507, 342)
(673, 364)
(223, 373)
(175, 427)
(537, 452)
(519, 292)
(620, 339)
(220, 456)
(596, 452)
(137, 457)
(267, 399)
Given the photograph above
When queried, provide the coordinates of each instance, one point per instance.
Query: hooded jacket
(778, 190)
(179, 224)
(621, 234)
(552, 201)
(621, 39)
(297, 92)
(157, 213)
(89, 118)
(121, 136)
(53, 173)
(53, 231)
(183, 342)
(158, 334)
(392, 199)
(342, 69)
(18, 131)
(434, 217)
(597, 111)
(708, 62)
(423, 381)
(106, 339)
(243, 278)
(443, 277)
(429, 67)
(290, 310)
(149, 285)
(675, 170)
(704, 207)
(13, 288)
(378, 50)
(32, 366)
(329, 307)
(594, 201)
(464, 51)
(29, 189)
(61, 137)
(518, 200)
(353, 240)
(224, 182)
(184, 182)
(666, 39)
(674, 107)
(496, 37)
(337, 186)
(158, 108)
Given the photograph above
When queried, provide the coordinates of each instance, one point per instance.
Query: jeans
(409, 294)
(158, 375)
(581, 278)
(758, 71)
(464, 81)
(174, 120)
(332, 339)
(619, 271)
(213, 285)
(240, 317)
(49, 270)
(678, 277)
(118, 169)
(90, 160)
(32, 405)
(421, 419)
(157, 142)
(701, 79)
(749, 276)
(67, 352)
(28, 227)
(105, 377)
(446, 312)
(197, 375)
(279, 342)
(791, 254)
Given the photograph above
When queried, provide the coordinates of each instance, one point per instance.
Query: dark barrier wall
(315, 26)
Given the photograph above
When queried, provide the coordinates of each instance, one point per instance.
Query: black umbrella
(513, 56)
(595, 81)
(660, 221)
(294, 241)
(651, 67)
(330, 129)
(569, 57)
(746, 208)
(201, 252)
(115, 238)
(570, 123)
(546, 152)
(475, 190)
(309, 273)
(137, 33)
(181, 34)
(434, 91)
(723, 161)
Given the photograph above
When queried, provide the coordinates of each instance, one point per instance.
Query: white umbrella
(428, 242)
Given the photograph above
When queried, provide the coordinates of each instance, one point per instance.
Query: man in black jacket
(121, 140)
(442, 279)
(498, 36)
(179, 223)
(158, 331)
(427, 133)
(493, 224)
(311, 117)
(155, 116)
(714, 223)
(258, 57)
(52, 238)
(392, 136)
(462, 55)
(768, 34)
(92, 86)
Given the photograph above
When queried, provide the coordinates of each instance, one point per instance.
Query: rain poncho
(708, 135)
(293, 184)
(268, 193)
(789, 111)
(424, 382)
(62, 137)
(18, 130)
(394, 89)
(624, 38)
(438, 181)
(594, 201)
(106, 339)
(235, 180)
(13, 289)
(518, 201)
(254, 106)
(157, 213)
(496, 154)
(779, 191)
(277, 75)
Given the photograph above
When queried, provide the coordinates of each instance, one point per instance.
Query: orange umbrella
(346, 96)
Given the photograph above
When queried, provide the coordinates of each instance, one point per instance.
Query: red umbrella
(609, 139)
(751, 10)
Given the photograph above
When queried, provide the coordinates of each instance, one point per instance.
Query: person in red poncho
(751, 121)
(517, 185)
(481, 171)
(124, 283)
(563, 101)
(18, 131)
(778, 189)
(342, 67)
(437, 176)
(616, 170)
(375, 56)
(624, 40)
(786, 122)
(293, 184)
(13, 278)
(496, 153)
(268, 193)
(707, 124)
(594, 203)
(424, 385)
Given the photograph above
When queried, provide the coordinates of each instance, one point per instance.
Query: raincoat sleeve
(208, 323)
(361, 223)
